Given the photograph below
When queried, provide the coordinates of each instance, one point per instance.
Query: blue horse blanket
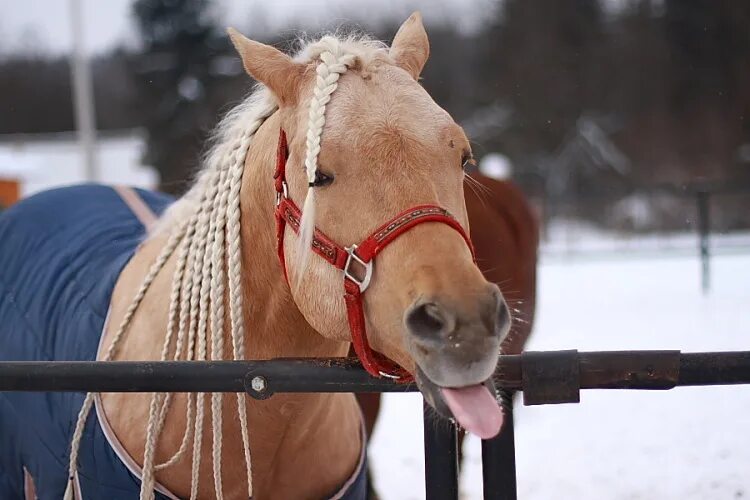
(61, 253)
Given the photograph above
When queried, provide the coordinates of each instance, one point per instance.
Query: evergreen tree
(175, 76)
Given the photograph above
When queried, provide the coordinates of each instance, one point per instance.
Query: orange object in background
(10, 190)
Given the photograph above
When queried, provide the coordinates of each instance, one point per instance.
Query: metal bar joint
(551, 377)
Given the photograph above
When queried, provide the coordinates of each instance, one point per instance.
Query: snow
(46, 161)
(687, 443)
(571, 238)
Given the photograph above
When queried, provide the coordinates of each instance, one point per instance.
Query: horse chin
(488, 420)
(431, 393)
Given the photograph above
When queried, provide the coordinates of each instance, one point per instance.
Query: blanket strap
(29, 489)
(139, 208)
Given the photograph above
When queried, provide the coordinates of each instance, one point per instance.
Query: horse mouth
(474, 407)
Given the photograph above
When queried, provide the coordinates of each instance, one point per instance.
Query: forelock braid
(333, 63)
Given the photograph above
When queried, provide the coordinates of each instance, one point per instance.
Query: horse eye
(468, 161)
(322, 179)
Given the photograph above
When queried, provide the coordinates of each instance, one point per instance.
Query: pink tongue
(475, 409)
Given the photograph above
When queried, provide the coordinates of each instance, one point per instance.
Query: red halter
(363, 254)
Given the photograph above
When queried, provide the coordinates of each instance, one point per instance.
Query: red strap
(385, 234)
(288, 213)
(321, 244)
(282, 153)
(375, 363)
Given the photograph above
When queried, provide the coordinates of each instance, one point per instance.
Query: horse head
(363, 142)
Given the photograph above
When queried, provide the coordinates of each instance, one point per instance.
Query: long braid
(148, 479)
(203, 280)
(159, 404)
(184, 284)
(217, 322)
(234, 265)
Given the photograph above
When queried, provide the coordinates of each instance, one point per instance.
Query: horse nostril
(427, 320)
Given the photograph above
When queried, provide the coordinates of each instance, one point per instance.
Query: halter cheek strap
(356, 261)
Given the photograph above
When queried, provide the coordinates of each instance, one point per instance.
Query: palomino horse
(342, 129)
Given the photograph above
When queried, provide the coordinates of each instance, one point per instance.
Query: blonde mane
(203, 229)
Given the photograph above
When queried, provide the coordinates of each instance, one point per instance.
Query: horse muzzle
(456, 356)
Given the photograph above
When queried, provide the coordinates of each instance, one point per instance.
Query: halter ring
(353, 257)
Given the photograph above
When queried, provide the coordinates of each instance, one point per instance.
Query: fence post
(440, 457)
(704, 231)
(499, 458)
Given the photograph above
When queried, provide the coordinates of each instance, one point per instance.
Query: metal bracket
(551, 377)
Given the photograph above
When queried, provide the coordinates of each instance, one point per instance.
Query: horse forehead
(387, 101)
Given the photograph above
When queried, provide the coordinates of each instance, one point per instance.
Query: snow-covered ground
(687, 443)
(571, 238)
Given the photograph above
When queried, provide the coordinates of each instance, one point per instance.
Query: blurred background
(626, 123)
(612, 114)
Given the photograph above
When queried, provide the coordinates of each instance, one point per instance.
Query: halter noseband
(361, 255)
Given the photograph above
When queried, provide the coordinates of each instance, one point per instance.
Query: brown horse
(366, 146)
(505, 233)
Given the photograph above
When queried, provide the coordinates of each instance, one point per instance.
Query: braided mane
(203, 229)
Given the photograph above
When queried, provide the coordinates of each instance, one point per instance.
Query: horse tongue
(475, 409)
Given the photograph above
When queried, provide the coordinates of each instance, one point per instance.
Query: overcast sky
(44, 25)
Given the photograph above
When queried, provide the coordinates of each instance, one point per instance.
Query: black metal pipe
(278, 375)
(640, 369)
(499, 457)
(598, 370)
(440, 457)
(714, 368)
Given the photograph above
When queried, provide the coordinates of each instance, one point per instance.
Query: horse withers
(330, 209)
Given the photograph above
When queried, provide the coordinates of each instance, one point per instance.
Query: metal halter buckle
(279, 195)
(353, 257)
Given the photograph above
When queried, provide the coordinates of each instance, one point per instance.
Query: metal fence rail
(546, 377)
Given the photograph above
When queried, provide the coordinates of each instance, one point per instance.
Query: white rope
(217, 322)
(208, 235)
(237, 324)
(184, 297)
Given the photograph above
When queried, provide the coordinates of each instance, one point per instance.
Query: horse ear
(269, 66)
(411, 47)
